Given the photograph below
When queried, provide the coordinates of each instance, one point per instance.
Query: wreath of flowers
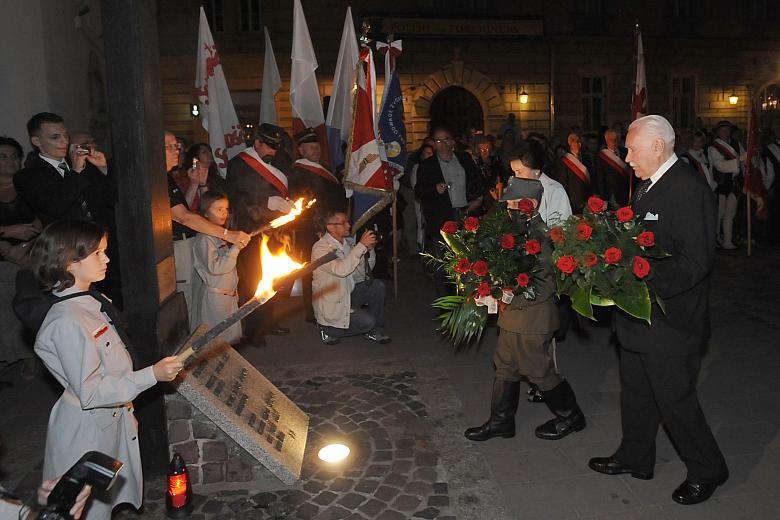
(490, 261)
(600, 258)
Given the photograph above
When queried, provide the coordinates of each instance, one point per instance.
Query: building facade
(466, 62)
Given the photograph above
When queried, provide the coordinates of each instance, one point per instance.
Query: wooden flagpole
(747, 184)
(395, 244)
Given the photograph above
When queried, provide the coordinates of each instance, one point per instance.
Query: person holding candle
(86, 351)
(214, 260)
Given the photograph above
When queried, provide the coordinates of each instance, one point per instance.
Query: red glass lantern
(178, 496)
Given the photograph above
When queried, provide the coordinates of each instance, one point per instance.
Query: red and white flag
(754, 185)
(217, 113)
(304, 92)
(272, 82)
(639, 99)
(365, 165)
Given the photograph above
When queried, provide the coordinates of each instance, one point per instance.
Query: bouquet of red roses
(490, 261)
(600, 258)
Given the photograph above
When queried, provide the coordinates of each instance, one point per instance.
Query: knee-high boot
(503, 406)
(568, 417)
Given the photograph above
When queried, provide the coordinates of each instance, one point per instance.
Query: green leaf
(580, 301)
(462, 321)
(660, 303)
(455, 243)
(636, 303)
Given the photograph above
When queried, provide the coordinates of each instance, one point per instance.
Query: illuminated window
(593, 103)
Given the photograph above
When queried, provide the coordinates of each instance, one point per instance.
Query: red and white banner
(272, 82)
(304, 92)
(639, 99)
(217, 114)
(365, 165)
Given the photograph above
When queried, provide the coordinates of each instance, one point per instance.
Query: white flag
(639, 99)
(218, 116)
(272, 82)
(339, 120)
(304, 92)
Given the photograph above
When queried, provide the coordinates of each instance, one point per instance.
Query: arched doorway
(458, 109)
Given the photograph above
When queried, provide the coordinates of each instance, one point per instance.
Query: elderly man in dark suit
(659, 362)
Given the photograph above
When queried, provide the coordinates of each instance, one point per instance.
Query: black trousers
(662, 390)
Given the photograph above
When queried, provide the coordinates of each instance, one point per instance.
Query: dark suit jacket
(609, 184)
(436, 206)
(248, 193)
(577, 190)
(687, 217)
(53, 196)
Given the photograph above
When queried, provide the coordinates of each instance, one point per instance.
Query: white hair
(656, 127)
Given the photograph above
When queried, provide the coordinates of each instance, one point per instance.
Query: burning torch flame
(298, 208)
(274, 267)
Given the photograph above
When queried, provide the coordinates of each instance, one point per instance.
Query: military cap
(270, 135)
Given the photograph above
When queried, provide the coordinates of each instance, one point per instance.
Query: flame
(298, 208)
(274, 267)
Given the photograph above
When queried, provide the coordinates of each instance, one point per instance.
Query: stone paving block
(203, 430)
(395, 479)
(386, 493)
(263, 500)
(178, 431)
(212, 506)
(372, 507)
(401, 466)
(351, 500)
(333, 513)
(240, 504)
(307, 511)
(427, 474)
(341, 484)
(406, 503)
(391, 515)
(367, 486)
(418, 487)
(426, 458)
(325, 498)
(178, 409)
(427, 513)
(214, 451)
(295, 497)
(438, 501)
(189, 451)
(440, 488)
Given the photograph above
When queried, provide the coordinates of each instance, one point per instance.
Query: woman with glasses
(18, 226)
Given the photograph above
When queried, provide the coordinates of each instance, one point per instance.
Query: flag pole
(747, 185)
(636, 64)
(395, 244)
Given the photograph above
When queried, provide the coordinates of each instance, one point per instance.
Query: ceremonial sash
(725, 149)
(579, 169)
(265, 170)
(317, 169)
(614, 162)
(774, 149)
(696, 164)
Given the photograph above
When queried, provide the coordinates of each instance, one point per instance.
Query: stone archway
(456, 74)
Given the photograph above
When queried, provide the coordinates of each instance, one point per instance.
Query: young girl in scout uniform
(82, 349)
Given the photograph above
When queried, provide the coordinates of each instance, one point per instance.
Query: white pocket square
(651, 216)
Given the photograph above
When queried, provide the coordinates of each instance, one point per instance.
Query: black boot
(568, 417)
(503, 405)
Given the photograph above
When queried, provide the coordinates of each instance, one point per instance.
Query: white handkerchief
(651, 216)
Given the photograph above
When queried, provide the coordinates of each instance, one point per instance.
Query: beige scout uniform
(214, 293)
(83, 351)
(525, 342)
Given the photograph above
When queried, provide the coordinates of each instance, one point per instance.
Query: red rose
(591, 259)
(526, 206)
(523, 279)
(624, 214)
(596, 204)
(450, 227)
(507, 241)
(646, 239)
(584, 231)
(557, 234)
(641, 267)
(483, 289)
(480, 268)
(464, 266)
(567, 264)
(533, 247)
(471, 224)
(613, 255)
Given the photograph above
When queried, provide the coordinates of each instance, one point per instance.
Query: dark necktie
(641, 190)
(67, 173)
(116, 320)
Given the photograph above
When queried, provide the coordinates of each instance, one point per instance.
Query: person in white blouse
(554, 207)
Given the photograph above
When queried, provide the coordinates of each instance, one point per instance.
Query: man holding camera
(342, 287)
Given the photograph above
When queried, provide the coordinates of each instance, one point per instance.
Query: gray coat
(83, 351)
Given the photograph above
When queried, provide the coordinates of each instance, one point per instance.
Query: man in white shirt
(343, 287)
(696, 156)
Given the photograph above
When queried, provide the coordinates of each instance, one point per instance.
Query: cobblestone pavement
(403, 408)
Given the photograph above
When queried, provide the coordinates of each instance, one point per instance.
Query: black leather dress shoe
(278, 331)
(612, 466)
(689, 493)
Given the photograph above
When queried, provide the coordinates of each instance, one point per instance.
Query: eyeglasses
(335, 223)
(12, 156)
(442, 140)
(173, 147)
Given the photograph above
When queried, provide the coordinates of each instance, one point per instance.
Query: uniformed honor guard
(727, 157)
(573, 172)
(311, 180)
(259, 192)
(612, 171)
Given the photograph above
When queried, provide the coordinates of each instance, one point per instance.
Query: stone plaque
(248, 408)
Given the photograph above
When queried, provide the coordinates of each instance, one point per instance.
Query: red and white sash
(725, 149)
(614, 161)
(579, 169)
(774, 149)
(317, 169)
(701, 167)
(268, 172)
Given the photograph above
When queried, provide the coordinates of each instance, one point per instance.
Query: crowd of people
(57, 220)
